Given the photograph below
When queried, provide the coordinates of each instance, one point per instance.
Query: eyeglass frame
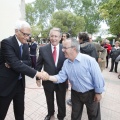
(25, 34)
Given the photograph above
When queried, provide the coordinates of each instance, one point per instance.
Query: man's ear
(16, 31)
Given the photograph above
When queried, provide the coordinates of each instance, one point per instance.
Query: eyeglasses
(65, 48)
(63, 36)
(25, 34)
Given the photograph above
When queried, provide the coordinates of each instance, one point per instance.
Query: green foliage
(89, 10)
(98, 39)
(69, 22)
(111, 38)
(110, 11)
(36, 30)
(41, 11)
(30, 14)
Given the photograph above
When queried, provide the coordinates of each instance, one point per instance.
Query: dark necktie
(54, 54)
(21, 49)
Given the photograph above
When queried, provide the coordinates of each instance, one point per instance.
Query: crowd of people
(78, 61)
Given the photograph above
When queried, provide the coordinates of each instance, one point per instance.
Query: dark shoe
(110, 71)
(48, 117)
(69, 102)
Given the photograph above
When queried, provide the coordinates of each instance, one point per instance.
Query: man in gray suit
(52, 67)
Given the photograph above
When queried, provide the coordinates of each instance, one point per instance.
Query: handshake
(41, 76)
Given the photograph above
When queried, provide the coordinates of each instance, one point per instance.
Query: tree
(89, 10)
(68, 22)
(44, 9)
(30, 14)
(110, 11)
(31, 17)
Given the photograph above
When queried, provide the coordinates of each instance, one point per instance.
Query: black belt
(92, 90)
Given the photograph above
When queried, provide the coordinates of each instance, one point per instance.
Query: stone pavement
(36, 108)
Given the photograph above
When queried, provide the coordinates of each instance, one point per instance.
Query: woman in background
(115, 52)
(108, 47)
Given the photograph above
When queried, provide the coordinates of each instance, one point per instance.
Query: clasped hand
(43, 76)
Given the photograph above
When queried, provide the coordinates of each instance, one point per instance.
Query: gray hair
(20, 24)
(74, 43)
(56, 29)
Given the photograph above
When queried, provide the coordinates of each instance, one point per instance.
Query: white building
(10, 12)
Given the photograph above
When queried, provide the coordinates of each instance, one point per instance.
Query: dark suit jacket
(11, 55)
(46, 61)
(33, 48)
(0, 54)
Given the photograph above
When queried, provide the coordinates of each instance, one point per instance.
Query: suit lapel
(50, 56)
(60, 57)
(17, 48)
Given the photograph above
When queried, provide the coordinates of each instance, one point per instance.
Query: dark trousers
(67, 84)
(107, 61)
(78, 101)
(17, 95)
(33, 59)
(60, 98)
(112, 65)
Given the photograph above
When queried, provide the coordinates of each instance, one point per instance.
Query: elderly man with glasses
(14, 65)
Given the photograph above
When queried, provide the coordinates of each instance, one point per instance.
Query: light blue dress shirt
(83, 73)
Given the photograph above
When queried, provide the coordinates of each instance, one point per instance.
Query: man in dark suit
(33, 48)
(52, 67)
(12, 76)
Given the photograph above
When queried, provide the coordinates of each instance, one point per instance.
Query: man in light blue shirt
(86, 80)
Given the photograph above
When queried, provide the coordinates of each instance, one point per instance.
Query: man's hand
(97, 97)
(6, 65)
(45, 76)
(42, 75)
(38, 82)
(99, 60)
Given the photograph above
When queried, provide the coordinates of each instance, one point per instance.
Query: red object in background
(108, 47)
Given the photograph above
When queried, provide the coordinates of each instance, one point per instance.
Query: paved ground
(35, 103)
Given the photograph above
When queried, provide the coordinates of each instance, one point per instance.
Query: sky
(104, 25)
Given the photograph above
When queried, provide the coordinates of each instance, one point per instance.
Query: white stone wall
(10, 12)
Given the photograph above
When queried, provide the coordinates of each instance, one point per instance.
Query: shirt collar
(117, 47)
(19, 43)
(57, 46)
(78, 57)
